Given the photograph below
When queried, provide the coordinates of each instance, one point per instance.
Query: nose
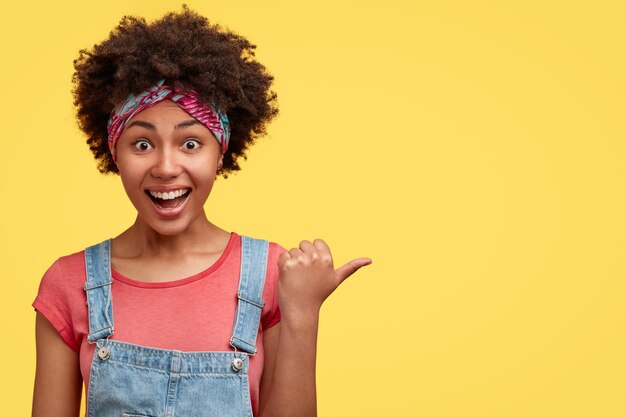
(166, 165)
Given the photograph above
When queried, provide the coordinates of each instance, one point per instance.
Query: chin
(168, 231)
(172, 229)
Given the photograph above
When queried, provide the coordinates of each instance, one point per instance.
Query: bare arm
(270, 343)
(306, 278)
(293, 390)
(58, 382)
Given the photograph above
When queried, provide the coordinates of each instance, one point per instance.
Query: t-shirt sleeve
(272, 316)
(52, 302)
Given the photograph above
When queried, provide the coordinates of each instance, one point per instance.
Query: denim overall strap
(98, 289)
(250, 294)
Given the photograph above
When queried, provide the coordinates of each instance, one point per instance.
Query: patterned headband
(211, 116)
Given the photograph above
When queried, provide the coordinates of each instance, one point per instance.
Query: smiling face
(167, 161)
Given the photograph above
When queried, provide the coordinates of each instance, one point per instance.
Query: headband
(209, 116)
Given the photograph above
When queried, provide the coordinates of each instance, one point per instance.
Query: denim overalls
(134, 380)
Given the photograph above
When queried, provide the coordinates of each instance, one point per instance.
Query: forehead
(164, 108)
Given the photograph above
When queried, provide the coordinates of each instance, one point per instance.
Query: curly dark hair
(189, 53)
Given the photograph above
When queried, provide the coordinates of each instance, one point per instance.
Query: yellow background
(473, 149)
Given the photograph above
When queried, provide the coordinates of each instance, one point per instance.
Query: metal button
(103, 353)
(237, 364)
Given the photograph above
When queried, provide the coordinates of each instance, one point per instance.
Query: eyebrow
(187, 123)
(150, 126)
(147, 125)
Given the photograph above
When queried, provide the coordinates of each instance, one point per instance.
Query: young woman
(177, 316)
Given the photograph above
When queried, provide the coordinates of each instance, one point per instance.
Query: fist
(307, 276)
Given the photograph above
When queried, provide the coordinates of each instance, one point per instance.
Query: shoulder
(271, 311)
(274, 249)
(64, 279)
(66, 268)
(61, 298)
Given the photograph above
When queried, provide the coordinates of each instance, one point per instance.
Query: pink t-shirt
(190, 314)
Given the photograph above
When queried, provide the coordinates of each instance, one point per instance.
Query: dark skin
(58, 382)
(148, 158)
(187, 51)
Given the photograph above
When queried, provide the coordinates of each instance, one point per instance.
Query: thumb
(351, 267)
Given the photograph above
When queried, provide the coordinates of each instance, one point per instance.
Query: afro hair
(189, 53)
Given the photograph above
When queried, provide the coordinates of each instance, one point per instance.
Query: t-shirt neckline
(178, 282)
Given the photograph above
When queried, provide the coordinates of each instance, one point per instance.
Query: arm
(270, 343)
(306, 278)
(58, 382)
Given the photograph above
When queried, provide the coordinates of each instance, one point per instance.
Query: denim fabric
(138, 381)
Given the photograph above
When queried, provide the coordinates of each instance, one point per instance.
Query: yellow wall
(473, 149)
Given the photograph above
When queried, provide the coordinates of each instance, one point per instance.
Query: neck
(142, 240)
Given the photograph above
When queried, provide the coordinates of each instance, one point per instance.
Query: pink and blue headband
(210, 116)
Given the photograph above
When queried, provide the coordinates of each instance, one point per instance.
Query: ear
(220, 163)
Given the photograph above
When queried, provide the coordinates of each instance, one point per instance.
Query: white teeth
(170, 195)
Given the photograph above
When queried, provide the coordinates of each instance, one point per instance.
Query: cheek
(203, 174)
(205, 181)
(131, 180)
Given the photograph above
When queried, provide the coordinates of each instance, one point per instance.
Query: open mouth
(169, 200)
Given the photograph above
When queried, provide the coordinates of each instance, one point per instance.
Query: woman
(211, 322)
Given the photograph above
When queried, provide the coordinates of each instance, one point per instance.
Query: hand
(306, 276)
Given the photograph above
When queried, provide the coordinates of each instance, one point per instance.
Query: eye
(191, 144)
(142, 145)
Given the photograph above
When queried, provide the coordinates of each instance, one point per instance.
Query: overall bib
(129, 380)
